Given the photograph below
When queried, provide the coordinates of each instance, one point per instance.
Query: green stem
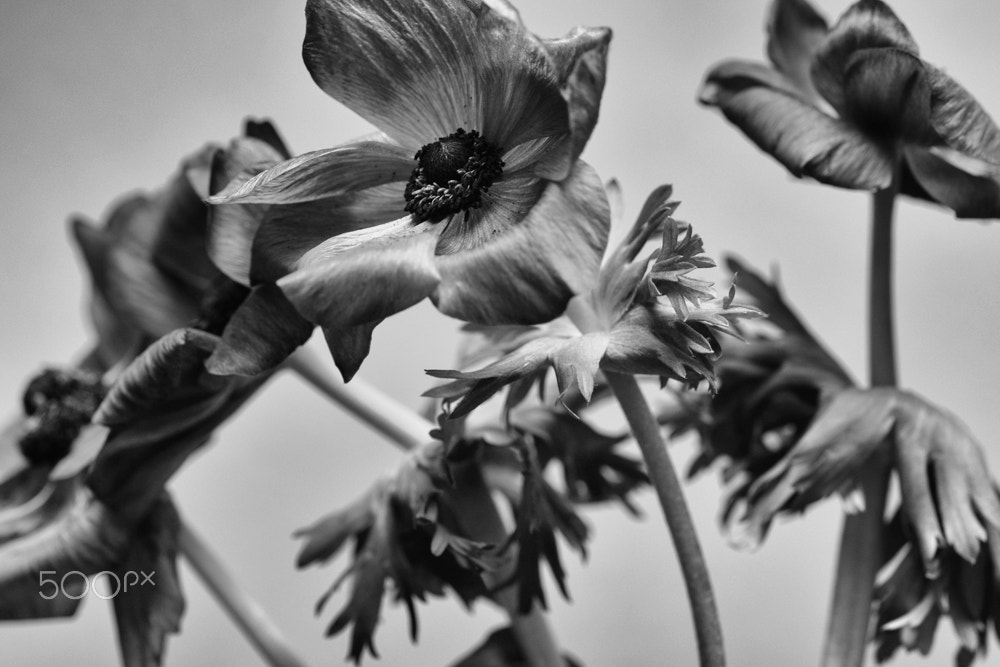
(861, 538)
(646, 431)
(670, 493)
(248, 615)
(409, 431)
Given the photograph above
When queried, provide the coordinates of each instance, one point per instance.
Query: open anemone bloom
(847, 105)
(471, 193)
(648, 314)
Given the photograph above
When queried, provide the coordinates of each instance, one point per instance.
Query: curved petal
(349, 347)
(527, 274)
(419, 70)
(887, 96)
(865, 25)
(506, 203)
(795, 31)
(368, 282)
(263, 331)
(321, 174)
(959, 119)
(771, 112)
(289, 231)
(968, 186)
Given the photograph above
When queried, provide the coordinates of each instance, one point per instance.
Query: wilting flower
(647, 315)
(910, 603)
(471, 194)
(405, 532)
(846, 105)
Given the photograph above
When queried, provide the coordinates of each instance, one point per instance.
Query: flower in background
(471, 193)
(647, 314)
(845, 105)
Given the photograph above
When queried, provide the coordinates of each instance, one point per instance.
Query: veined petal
(868, 24)
(263, 331)
(369, 282)
(795, 31)
(769, 110)
(967, 185)
(458, 64)
(504, 206)
(289, 231)
(330, 172)
(959, 119)
(528, 273)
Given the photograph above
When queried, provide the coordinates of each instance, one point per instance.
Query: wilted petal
(459, 64)
(959, 119)
(774, 115)
(865, 25)
(263, 331)
(327, 536)
(349, 347)
(795, 31)
(967, 185)
(366, 283)
(330, 172)
(528, 273)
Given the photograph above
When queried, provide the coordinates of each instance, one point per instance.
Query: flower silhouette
(845, 105)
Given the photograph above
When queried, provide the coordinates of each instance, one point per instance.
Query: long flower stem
(670, 493)
(409, 431)
(244, 610)
(860, 541)
(646, 431)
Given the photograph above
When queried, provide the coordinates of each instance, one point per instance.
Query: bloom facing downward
(846, 104)
(471, 193)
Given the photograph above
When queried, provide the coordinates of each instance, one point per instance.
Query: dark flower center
(451, 175)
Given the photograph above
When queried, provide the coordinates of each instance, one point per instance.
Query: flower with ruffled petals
(472, 193)
(845, 105)
(647, 314)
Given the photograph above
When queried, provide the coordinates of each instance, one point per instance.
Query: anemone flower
(471, 193)
(847, 105)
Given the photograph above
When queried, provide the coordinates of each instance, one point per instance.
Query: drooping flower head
(471, 193)
(846, 105)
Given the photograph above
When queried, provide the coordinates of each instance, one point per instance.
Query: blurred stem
(646, 431)
(382, 412)
(248, 615)
(479, 515)
(861, 538)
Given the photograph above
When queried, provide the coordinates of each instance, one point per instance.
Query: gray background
(105, 96)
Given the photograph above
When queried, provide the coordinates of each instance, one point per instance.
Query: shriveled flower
(404, 532)
(846, 105)
(471, 194)
(771, 388)
(647, 315)
(909, 603)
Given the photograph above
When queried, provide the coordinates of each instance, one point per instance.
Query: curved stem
(248, 615)
(646, 430)
(409, 431)
(861, 538)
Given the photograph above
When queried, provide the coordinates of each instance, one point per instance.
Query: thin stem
(670, 493)
(861, 538)
(646, 431)
(379, 410)
(409, 431)
(248, 615)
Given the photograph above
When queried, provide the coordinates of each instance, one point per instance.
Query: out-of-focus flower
(405, 532)
(471, 194)
(910, 604)
(501, 649)
(646, 315)
(845, 105)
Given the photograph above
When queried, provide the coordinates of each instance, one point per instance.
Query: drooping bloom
(647, 314)
(845, 105)
(471, 193)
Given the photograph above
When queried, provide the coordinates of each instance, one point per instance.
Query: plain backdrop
(102, 97)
